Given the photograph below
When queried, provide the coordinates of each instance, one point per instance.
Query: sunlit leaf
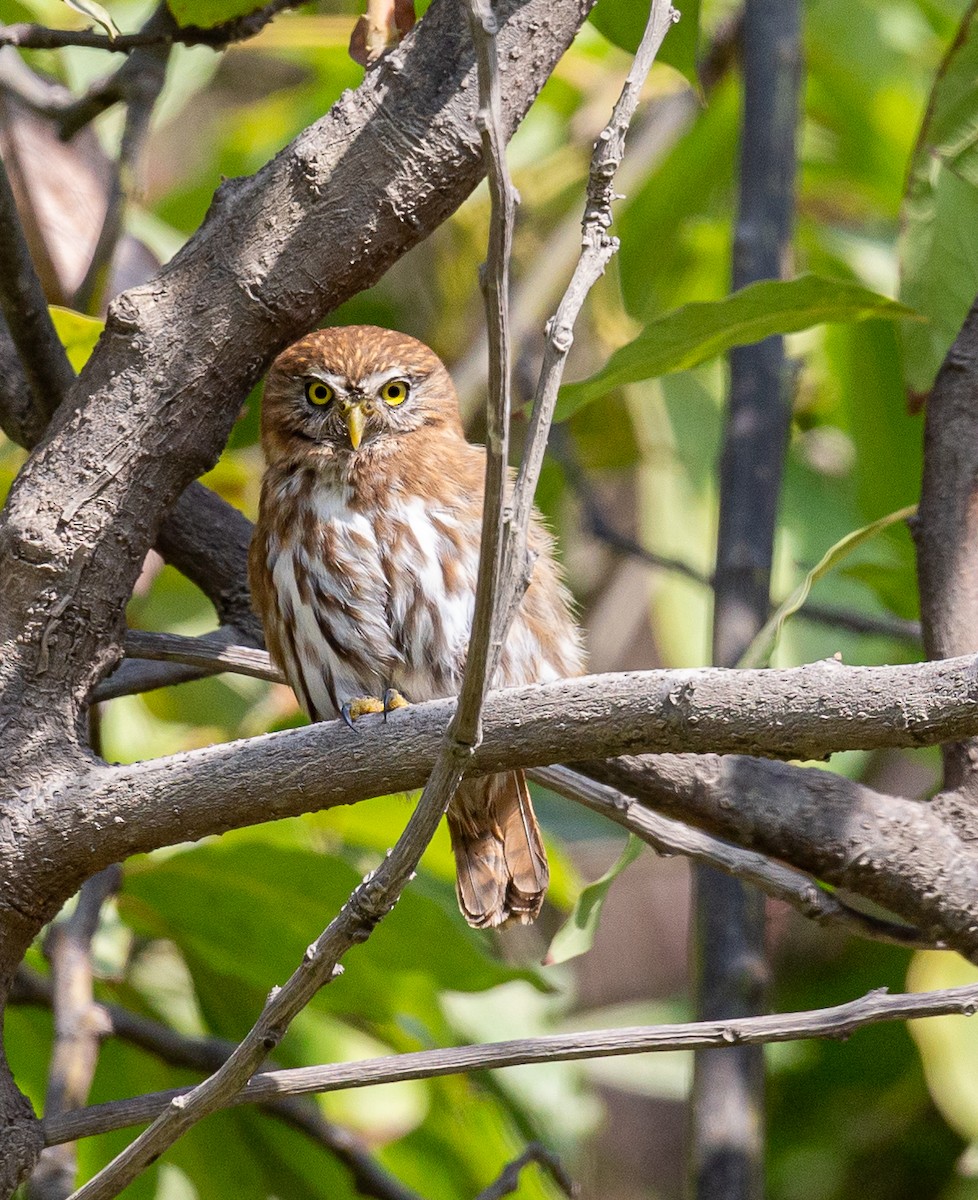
(623, 22)
(88, 8)
(211, 12)
(948, 1045)
(939, 251)
(576, 935)
(78, 333)
(697, 332)
(758, 653)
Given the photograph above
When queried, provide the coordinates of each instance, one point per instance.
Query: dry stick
(838, 1021)
(378, 893)
(207, 1054)
(79, 1026)
(668, 837)
(508, 1180)
(39, 37)
(597, 250)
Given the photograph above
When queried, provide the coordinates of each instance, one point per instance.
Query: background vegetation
(197, 933)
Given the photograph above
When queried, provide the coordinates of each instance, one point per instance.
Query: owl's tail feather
(501, 865)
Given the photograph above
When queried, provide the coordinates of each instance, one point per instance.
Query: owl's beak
(356, 420)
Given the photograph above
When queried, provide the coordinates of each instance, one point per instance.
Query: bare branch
(839, 1021)
(208, 1054)
(137, 84)
(79, 1027)
(211, 653)
(509, 1178)
(597, 522)
(598, 249)
(379, 892)
(38, 37)
(946, 533)
(668, 837)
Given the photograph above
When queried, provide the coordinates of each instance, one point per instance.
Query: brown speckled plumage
(363, 569)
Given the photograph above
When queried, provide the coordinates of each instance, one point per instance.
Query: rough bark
(154, 405)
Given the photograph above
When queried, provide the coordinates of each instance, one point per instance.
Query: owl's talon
(359, 706)
(393, 699)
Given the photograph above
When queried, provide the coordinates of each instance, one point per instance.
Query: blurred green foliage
(200, 933)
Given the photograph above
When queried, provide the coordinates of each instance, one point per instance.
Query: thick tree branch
(898, 853)
(946, 533)
(839, 1021)
(669, 837)
(796, 713)
(726, 1149)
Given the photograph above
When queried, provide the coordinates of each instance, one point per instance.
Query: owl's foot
(393, 699)
(360, 705)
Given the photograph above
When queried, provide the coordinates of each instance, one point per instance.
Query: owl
(363, 570)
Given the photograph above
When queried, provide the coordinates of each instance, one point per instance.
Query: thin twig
(79, 1026)
(667, 837)
(207, 1054)
(39, 37)
(597, 249)
(838, 1021)
(508, 1180)
(374, 898)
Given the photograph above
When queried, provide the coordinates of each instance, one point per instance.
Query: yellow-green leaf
(758, 653)
(576, 935)
(78, 333)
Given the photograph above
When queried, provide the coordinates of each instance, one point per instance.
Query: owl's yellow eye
(318, 393)
(394, 392)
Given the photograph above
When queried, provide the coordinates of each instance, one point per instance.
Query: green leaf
(758, 653)
(939, 264)
(97, 13)
(207, 13)
(694, 333)
(243, 911)
(576, 935)
(623, 22)
(78, 333)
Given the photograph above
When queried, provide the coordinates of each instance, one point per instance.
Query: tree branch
(597, 250)
(839, 1021)
(25, 310)
(39, 37)
(669, 837)
(946, 534)
(508, 1180)
(208, 1054)
(374, 898)
(810, 826)
(79, 1027)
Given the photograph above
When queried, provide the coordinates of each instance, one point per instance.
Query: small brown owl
(363, 569)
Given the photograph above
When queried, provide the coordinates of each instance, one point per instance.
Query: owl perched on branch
(363, 569)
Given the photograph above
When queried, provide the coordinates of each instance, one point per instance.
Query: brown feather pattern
(363, 569)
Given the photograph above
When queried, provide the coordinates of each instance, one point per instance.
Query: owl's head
(353, 390)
